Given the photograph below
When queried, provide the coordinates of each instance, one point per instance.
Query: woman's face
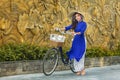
(78, 17)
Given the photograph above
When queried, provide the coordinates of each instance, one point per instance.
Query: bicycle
(52, 56)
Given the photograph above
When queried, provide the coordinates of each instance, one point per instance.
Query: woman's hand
(78, 33)
(59, 29)
(63, 29)
(74, 33)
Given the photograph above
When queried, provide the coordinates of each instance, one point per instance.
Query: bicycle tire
(71, 65)
(50, 61)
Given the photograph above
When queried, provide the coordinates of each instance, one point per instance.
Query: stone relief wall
(31, 21)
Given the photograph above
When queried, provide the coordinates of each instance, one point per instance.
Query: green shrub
(13, 52)
(117, 51)
(99, 52)
(94, 52)
(16, 52)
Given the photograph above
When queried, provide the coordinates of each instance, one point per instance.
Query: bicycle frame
(61, 54)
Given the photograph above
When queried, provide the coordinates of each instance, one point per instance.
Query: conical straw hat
(72, 12)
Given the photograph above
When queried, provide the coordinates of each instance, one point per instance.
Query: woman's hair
(74, 21)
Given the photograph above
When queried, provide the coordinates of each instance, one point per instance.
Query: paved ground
(96, 73)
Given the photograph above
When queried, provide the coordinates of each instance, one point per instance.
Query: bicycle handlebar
(62, 32)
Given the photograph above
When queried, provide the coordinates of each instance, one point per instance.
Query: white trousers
(79, 65)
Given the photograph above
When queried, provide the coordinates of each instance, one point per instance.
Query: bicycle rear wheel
(71, 64)
(50, 61)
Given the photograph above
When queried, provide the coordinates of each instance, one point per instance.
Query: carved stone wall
(31, 21)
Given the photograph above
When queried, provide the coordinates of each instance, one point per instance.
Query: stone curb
(35, 66)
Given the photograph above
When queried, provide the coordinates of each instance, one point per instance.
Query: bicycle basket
(57, 38)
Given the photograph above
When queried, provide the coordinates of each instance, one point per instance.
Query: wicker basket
(56, 40)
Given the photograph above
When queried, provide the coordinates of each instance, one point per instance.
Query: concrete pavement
(95, 73)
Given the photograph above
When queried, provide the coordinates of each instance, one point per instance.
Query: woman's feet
(78, 73)
(81, 72)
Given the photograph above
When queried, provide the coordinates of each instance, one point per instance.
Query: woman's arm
(78, 33)
(68, 28)
(74, 33)
(82, 29)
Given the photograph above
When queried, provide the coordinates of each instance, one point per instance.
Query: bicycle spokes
(50, 62)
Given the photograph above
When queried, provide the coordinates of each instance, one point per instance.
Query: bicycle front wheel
(50, 61)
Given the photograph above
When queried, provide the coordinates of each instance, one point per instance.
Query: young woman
(78, 49)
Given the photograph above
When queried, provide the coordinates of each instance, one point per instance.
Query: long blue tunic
(78, 44)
